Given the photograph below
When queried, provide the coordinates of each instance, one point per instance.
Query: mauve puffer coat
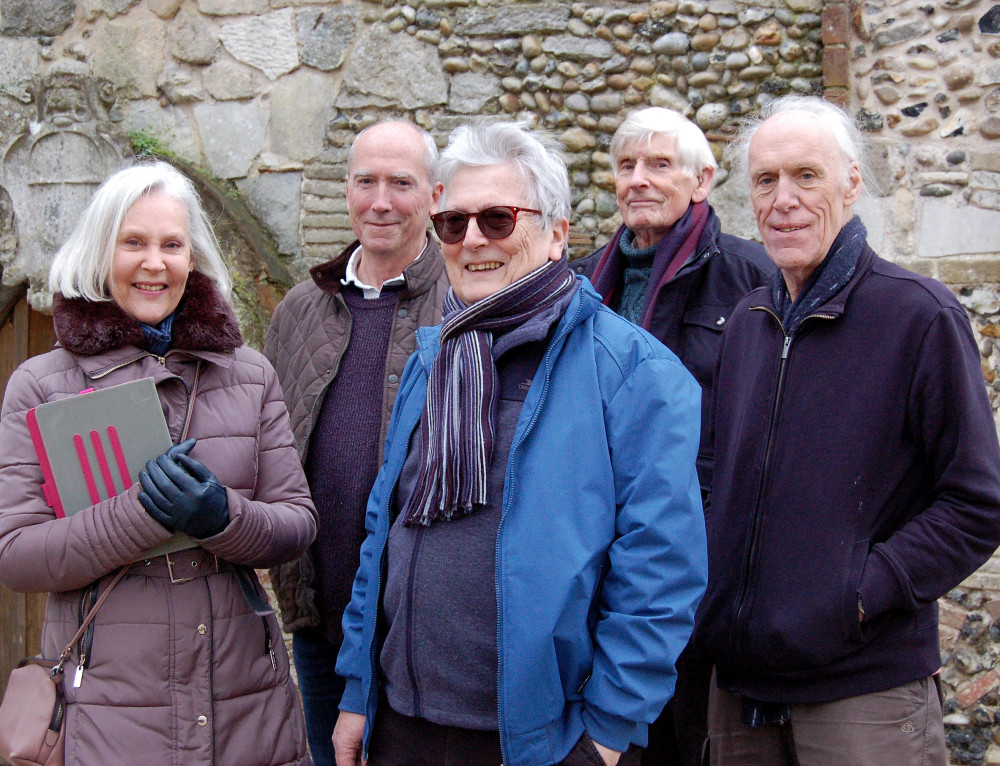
(178, 673)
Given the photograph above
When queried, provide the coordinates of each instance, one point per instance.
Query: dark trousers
(321, 688)
(399, 740)
(679, 736)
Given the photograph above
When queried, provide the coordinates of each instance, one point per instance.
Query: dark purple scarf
(457, 423)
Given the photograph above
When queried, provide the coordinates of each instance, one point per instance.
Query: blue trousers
(321, 688)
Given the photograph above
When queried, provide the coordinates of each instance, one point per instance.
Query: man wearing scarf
(670, 270)
(857, 474)
(535, 552)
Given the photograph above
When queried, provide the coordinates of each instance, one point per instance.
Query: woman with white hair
(184, 662)
(535, 546)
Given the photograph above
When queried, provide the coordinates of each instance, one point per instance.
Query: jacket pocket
(800, 614)
(854, 629)
(703, 327)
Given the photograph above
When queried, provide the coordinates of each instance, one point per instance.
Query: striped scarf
(457, 423)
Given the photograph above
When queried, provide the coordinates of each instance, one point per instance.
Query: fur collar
(204, 322)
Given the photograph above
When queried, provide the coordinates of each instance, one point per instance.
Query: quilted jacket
(308, 336)
(174, 672)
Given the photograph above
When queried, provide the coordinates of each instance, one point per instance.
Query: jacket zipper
(508, 484)
(741, 628)
(410, 587)
(86, 642)
(268, 649)
(211, 669)
(126, 363)
(369, 701)
(304, 447)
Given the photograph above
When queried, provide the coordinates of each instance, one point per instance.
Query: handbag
(33, 710)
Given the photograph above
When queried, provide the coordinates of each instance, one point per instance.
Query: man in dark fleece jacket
(671, 270)
(857, 474)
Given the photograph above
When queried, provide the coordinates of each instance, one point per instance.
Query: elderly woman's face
(478, 266)
(152, 258)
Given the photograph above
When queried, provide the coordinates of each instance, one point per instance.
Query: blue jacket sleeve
(658, 561)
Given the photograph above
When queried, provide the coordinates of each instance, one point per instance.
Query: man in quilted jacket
(339, 342)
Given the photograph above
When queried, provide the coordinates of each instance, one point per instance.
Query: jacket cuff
(353, 699)
(880, 588)
(610, 730)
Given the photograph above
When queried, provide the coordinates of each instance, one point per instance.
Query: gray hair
(845, 132)
(537, 156)
(81, 267)
(430, 148)
(693, 149)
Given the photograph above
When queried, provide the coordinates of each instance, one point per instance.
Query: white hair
(845, 132)
(537, 156)
(81, 267)
(693, 149)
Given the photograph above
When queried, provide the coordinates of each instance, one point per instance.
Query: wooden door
(23, 333)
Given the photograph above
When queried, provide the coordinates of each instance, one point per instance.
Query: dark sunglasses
(495, 222)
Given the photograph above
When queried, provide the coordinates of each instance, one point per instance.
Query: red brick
(835, 67)
(993, 608)
(951, 615)
(835, 24)
(975, 691)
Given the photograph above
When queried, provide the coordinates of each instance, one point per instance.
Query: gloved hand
(182, 494)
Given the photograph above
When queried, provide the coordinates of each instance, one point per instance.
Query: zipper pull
(162, 360)
(268, 649)
(784, 350)
(78, 676)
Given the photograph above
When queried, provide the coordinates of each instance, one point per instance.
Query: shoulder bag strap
(89, 618)
(194, 393)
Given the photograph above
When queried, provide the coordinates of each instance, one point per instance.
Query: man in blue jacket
(671, 270)
(535, 549)
(857, 474)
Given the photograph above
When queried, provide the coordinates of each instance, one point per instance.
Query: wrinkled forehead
(792, 129)
(661, 144)
(387, 152)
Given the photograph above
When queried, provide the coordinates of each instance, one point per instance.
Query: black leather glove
(182, 494)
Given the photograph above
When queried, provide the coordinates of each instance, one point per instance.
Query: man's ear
(854, 185)
(436, 191)
(560, 234)
(700, 193)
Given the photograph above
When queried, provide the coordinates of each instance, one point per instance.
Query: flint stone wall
(268, 94)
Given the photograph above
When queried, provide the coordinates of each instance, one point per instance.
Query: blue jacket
(600, 558)
(857, 457)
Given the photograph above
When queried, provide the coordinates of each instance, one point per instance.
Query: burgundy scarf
(672, 252)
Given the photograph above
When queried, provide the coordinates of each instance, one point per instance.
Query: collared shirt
(369, 292)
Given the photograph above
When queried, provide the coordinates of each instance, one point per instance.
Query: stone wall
(269, 94)
(266, 95)
(924, 79)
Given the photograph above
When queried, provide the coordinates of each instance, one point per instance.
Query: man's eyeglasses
(495, 222)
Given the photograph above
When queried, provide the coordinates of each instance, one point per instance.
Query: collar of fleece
(203, 322)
